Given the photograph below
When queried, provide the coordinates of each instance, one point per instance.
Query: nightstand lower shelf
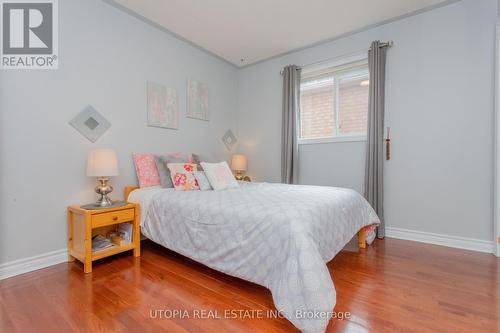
(111, 251)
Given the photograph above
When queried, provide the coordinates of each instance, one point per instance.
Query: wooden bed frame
(361, 233)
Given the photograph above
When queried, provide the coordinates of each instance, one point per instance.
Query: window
(334, 103)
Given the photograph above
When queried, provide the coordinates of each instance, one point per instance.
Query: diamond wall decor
(90, 123)
(229, 140)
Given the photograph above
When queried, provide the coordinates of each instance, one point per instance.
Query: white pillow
(219, 175)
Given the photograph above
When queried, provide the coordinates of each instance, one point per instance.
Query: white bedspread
(279, 236)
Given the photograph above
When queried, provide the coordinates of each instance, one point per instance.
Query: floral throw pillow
(219, 175)
(164, 172)
(182, 175)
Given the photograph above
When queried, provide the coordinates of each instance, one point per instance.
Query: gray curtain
(289, 145)
(374, 169)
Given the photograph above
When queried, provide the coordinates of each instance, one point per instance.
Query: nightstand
(84, 224)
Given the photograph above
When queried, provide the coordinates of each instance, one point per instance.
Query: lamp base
(241, 176)
(104, 201)
(103, 189)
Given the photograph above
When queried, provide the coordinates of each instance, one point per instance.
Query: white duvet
(279, 236)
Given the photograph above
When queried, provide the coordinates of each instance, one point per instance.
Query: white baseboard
(440, 239)
(26, 265)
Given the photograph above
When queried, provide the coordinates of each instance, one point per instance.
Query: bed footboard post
(362, 239)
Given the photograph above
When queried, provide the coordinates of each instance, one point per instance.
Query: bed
(276, 235)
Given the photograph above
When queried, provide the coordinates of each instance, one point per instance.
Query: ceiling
(254, 30)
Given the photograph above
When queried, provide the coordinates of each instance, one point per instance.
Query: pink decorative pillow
(183, 176)
(145, 167)
(146, 170)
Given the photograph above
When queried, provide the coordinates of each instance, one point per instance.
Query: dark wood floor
(393, 286)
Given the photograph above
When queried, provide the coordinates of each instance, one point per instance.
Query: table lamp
(239, 165)
(102, 163)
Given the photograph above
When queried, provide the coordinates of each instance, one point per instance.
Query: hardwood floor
(393, 286)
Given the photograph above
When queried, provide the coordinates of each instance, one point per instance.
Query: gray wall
(106, 57)
(439, 105)
(440, 76)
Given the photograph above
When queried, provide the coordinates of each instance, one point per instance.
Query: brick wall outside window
(353, 108)
(317, 116)
(316, 112)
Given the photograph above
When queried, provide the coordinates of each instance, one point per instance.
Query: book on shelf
(100, 243)
(125, 230)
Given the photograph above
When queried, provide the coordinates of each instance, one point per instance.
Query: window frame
(322, 66)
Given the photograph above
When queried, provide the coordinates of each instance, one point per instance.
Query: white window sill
(337, 139)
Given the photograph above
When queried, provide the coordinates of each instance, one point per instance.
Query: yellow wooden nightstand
(84, 224)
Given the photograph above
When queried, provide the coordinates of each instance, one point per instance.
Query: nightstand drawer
(99, 220)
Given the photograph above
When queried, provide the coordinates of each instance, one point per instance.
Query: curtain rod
(385, 44)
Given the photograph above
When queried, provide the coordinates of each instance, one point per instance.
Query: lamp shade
(102, 163)
(239, 163)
